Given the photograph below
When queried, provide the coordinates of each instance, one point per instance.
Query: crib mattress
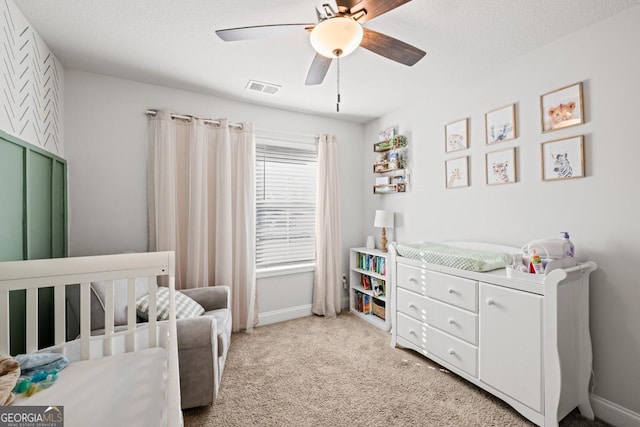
(123, 390)
(463, 258)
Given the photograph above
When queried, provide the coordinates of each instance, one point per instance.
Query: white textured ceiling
(172, 43)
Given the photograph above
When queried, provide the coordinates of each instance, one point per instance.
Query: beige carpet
(341, 372)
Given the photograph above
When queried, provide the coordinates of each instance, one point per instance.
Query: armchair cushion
(98, 296)
(185, 306)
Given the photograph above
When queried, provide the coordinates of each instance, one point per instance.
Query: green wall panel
(39, 171)
(12, 187)
(33, 224)
(58, 210)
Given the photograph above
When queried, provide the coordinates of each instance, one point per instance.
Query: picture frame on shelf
(456, 135)
(457, 172)
(563, 158)
(386, 134)
(500, 167)
(500, 124)
(562, 108)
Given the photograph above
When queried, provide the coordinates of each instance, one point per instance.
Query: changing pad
(454, 256)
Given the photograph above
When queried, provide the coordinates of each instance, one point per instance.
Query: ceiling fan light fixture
(337, 36)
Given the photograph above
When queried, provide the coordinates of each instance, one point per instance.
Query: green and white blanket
(455, 257)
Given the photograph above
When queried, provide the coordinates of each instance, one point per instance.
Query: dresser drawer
(452, 320)
(458, 353)
(412, 278)
(412, 304)
(453, 290)
(412, 330)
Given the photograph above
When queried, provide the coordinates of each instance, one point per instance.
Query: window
(285, 202)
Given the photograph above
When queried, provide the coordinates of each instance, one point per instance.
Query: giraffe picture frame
(457, 172)
(563, 158)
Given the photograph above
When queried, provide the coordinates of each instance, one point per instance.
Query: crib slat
(4, 322)
(85, 319)
(153, 310)
(108, 319)
(59, 313)
(32, 320)
(131, 314)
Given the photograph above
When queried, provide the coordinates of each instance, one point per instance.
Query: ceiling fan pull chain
(338, 85)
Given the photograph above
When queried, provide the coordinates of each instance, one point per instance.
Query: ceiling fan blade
(391, 48)
(347, 4)
(318, 70)
(375, 8)
(261, 31)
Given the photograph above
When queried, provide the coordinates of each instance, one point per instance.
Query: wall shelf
(391, 161)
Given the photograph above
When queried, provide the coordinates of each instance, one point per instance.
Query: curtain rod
(184, 117)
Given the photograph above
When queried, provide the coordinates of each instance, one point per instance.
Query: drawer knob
(452, 322)
(412, 279)
(452, 351)
(412, 305)
(412, 332)
(452, 291)
(490, 301)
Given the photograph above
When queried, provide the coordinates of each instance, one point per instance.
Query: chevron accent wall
(31, 83)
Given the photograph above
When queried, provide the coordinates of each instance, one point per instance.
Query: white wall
(106, 142)
(600, 211)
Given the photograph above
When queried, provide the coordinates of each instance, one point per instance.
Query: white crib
(128, 377)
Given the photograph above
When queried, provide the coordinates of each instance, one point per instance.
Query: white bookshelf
(370, 266)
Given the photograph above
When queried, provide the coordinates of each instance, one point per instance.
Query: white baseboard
(613, 413)
(289, 313)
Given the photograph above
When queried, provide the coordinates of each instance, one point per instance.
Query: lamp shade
(337, 36)
(383, 219)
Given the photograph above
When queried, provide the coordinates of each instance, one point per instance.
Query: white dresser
(527, 343)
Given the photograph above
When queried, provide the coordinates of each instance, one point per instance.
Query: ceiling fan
(337, 34)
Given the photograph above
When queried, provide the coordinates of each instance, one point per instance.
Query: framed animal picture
(500, 124)
(457, 172)
(563, 158)
(562, 108)
(501, 167)
(456, 136)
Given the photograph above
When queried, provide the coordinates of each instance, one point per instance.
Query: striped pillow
(185, 306)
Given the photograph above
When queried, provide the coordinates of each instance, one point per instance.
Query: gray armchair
(203, 342)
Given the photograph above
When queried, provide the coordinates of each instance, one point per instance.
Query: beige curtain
(327, 292)
(202, 206)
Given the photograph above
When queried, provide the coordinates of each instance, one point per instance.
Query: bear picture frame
(456, 135)
(500, 167)
(562, 108)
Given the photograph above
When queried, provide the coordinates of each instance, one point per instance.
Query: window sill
(284, 270)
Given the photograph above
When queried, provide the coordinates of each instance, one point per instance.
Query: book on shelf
(366, 281)
(370, 262)
(362, 302)
(366, 304)
(378, 287)
(357, 300)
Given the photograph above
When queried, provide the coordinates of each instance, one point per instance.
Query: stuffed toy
(9, 373)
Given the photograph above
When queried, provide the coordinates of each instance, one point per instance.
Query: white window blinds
(285, 202)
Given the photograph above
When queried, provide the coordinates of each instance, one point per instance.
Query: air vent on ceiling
(263, 87)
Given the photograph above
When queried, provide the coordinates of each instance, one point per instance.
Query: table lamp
(384, 220)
